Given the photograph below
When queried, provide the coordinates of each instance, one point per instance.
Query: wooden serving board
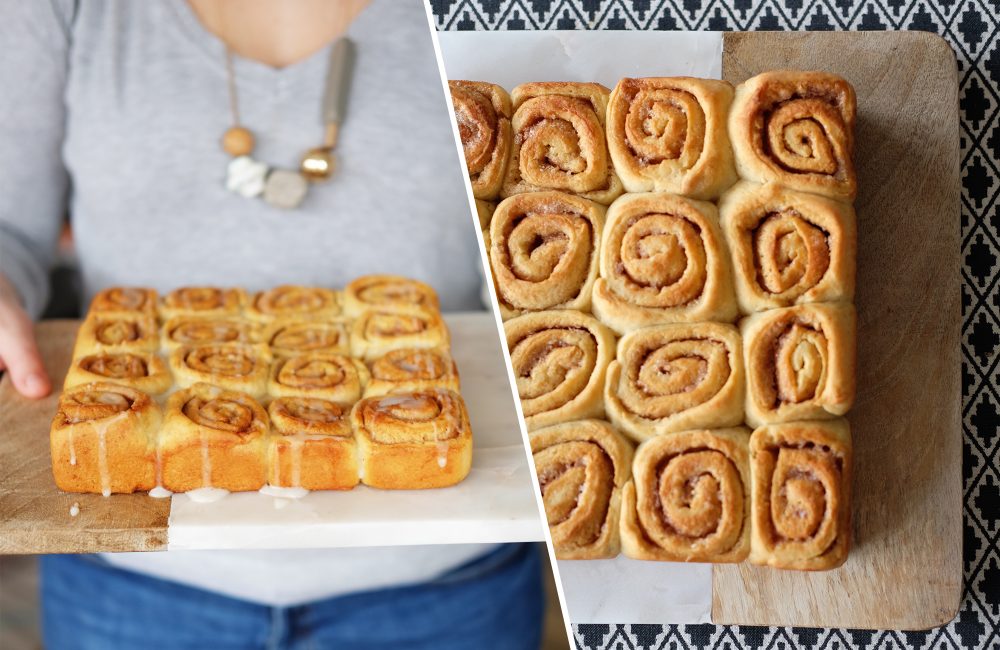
(905, 569)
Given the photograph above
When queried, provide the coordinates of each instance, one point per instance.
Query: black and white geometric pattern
(972, 27)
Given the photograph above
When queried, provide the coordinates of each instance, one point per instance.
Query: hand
(18, 352)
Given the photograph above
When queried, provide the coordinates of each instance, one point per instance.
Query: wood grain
(34, 514)
(905, 570)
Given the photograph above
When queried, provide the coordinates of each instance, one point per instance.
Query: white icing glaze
(442, 449)
(72, 449)
(74, 509)
(160, 492)
(206, 463)
(206, 494)
(283, 492)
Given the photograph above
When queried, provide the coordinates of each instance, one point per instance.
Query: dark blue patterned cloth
(971, 27)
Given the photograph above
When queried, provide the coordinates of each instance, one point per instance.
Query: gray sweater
(112, 111)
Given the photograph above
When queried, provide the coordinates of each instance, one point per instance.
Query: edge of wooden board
(875, 589)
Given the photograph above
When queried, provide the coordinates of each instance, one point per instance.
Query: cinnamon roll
(482, 112)
(581, 469)
(689, 498)
(800, 362)
(788, 247)
(313, 446)
(415, 440)
(410, 369)
(125, 300)
(543, 250)
(559, 142)
(388, 293)
(203, 301)
(332, 377)
(213, 437)
(559, 360)
(145, 371)
(231, 366)
(103, 439)
(670, 378)
(801, 513)
(121, 332)
(663, 260)
(797, 129)
(291, 338)
(668, 134)
(376, 332)
(484, 211)
(193, 330)
(294, 302)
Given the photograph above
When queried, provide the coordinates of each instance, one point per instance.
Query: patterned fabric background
(971, 27)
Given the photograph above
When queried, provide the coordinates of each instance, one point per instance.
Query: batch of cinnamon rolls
(674, 260)
(300, 388)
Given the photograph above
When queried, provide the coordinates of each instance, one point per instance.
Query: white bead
(245, 176)
(285, 189)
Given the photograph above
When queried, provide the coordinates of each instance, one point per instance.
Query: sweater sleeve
(34, 184)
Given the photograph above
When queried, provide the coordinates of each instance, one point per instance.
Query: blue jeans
(491, 602)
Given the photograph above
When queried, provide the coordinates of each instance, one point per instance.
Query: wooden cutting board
(905, 570)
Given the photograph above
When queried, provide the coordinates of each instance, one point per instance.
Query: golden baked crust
(118, 332)
(801, 473)
(232, 366)
(332, 377)
(213, 437)
(543, 250)
(410, 369)
(800, 362)
(209, 302)
(663, 260)
(376, 332)
(388, 293)
(127, 300)
(796, 128)
(668, 134)
(103, 439)
(559, 360)
(689, 498)
(788, 247)
(312, 445)
(415, 440)
(287, 338)
(143, 371)
(294, 301)
(670, 378)
(482, 112)
(581, 469)
(559, 141)
(484, 211)
(195, 330)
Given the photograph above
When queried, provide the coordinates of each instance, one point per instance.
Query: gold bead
(317, 164)
(238, 141)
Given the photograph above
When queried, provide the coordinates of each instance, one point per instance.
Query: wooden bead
(238, 141)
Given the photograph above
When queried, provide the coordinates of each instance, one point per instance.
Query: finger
(20, 355)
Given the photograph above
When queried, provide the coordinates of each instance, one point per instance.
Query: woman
(114, 111)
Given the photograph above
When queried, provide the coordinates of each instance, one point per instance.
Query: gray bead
(285, 189)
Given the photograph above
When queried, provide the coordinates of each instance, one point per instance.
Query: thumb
(19, 354)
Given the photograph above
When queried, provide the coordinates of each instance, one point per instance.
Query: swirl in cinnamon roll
(409, 369)
(559, 142)
(122, 332)
(797, 129)
(125, 300)
(663, 260)
(668, 134)
(192, 330)
(213, 437)
(581, 469)
(287, 339)
(142, 371)
(482, 112)
(103, 439)
(669, 378)
(788, 247)
(414, 440)
(801, 511)
(232, 366)
(559, 360)
(314, 447)
(203, 301)
(388, 293)
(544, 251)
(689, 498)
(800, 362)
(332, 377)
(376, 332)
(294, 302)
